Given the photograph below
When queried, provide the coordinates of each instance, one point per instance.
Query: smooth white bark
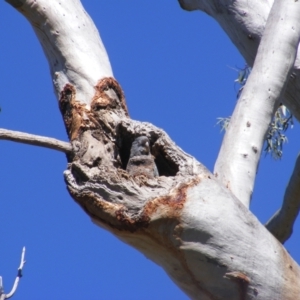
(71, 43)
(244, 22)
(239, 155)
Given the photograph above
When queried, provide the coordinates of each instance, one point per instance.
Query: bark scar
(242, 281)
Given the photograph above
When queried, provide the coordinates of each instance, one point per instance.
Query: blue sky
(176, 70)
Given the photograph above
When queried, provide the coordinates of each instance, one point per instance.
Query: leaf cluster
(275, 137)
(282, 120)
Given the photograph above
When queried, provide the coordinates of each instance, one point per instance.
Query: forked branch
(19, 275)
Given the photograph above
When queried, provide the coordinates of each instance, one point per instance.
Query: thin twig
(35, 140)
(281, 224)
(19, 275)
(2, 295)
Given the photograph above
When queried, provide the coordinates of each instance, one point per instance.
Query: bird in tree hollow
(141, 162)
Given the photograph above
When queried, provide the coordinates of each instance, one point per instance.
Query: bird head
(140, 146)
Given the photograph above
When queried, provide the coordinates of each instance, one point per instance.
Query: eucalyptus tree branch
(35, 140)
(281, 224)
(86, 63)
(244, 22)
(19, 275)
(238, 159)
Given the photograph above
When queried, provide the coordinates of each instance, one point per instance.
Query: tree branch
(35, 140)
(281, 224)
(244, 22)
(19, 275)
(64, 37)
(238, 159)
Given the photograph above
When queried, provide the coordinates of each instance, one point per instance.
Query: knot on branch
(120, 166)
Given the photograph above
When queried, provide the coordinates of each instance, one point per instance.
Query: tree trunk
(185, 219)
